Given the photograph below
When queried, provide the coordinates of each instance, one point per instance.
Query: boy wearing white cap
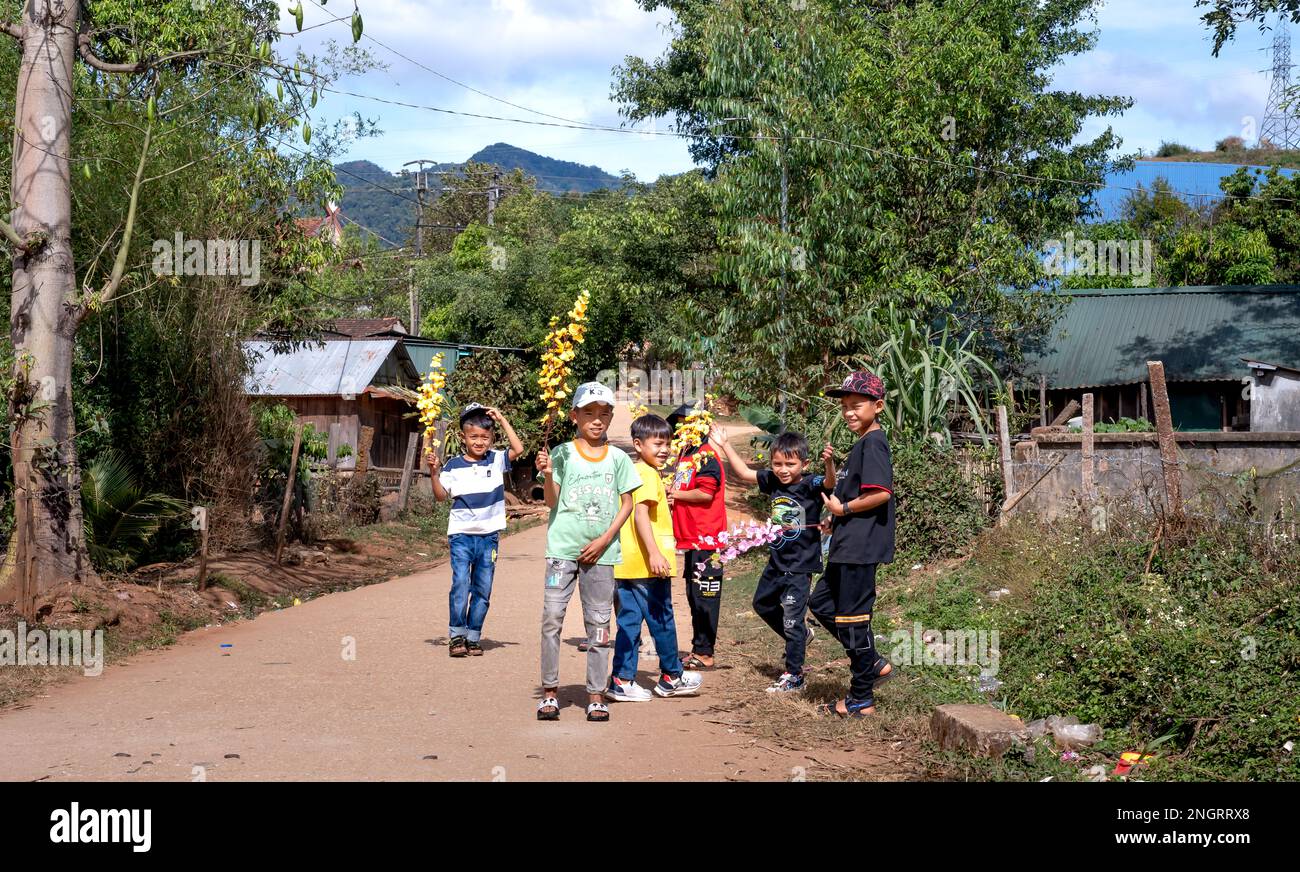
(589, 488)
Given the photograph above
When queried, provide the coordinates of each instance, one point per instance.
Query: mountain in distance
(385, 202)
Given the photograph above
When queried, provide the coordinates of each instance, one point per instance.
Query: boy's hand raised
(494, 413)
(833, 505)
(543, 463)
(828, 453)
(718, 435)
(435, 462)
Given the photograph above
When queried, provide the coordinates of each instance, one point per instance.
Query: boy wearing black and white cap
(474, 481)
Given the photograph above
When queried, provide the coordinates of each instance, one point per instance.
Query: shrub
(1172, 149)
(939, 510)
(1196, 660)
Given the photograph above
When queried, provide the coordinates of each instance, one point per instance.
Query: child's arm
(695, 497)
(435, 466)
(597, 546)
(549, 491)
(828, 457)
(864, 503)
(718, 436)
(516, 447)
(645, 532)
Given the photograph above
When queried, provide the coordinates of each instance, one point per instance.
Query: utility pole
(493, 195)
(421, 185)
(785, 233)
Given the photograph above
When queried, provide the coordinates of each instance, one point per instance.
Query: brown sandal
(459, 647)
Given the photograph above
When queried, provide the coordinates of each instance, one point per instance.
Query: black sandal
(459, 647)
(882, 677)
(857, 708)
(475, 649)
(695, 663)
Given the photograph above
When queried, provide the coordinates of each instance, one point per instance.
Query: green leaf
(356, 26)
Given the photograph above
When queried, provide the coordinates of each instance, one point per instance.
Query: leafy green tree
(910, 154)
(172, 118)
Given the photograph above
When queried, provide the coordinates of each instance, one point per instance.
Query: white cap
(592, 392)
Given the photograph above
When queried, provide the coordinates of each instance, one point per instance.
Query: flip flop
(857, 708)
(598, 712)
(880, 679)
(696, 664)
(551, 703)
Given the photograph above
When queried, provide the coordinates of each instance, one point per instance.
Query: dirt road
(285, 701)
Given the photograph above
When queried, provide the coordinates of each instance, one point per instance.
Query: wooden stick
(1009, 504)
(404, 489)
(1066, 414)
(288, 494)
(1165, 433)
(203, 558)
(1087, 483)
(1004, 442)
(1042, 401)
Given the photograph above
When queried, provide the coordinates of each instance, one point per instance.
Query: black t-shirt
(865, 537)
(797, 503)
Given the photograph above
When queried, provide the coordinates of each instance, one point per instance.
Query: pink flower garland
(740, 539)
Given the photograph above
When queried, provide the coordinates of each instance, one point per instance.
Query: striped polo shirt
(478, 493)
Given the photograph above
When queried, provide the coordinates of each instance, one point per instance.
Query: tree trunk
(45, 311)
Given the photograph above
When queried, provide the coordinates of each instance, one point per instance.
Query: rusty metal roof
(1105, 337)
(328, 369)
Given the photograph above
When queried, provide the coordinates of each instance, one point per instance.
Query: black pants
(704, 596)
(842, 602)
(781, 600)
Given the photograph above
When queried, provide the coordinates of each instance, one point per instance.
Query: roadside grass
(1196, 661)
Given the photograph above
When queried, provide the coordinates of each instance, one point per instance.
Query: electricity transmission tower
(1281, 127)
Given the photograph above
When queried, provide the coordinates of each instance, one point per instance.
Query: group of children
(615, 527)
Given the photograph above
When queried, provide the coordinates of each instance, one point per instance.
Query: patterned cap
(862, 382)
(471, 409)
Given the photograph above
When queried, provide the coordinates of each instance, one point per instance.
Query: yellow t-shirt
(636, 560)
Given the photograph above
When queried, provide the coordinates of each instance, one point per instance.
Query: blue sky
(556, 57)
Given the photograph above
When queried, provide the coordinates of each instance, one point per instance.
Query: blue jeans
(649, 600)
(473, 560)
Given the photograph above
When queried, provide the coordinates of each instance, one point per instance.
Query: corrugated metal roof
(1107, 336)
(332, 368)
(1196, 181)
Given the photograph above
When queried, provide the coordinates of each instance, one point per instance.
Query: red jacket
(692, 522)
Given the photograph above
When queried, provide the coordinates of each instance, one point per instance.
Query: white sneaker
(687, 684)
(626, 691)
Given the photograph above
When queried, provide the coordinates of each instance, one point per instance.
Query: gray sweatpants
(595, 584)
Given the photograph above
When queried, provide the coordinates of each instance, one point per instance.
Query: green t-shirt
(589, 491)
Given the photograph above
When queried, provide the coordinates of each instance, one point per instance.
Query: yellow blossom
(432, 402)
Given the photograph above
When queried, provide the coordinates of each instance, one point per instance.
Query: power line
(456, 82)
